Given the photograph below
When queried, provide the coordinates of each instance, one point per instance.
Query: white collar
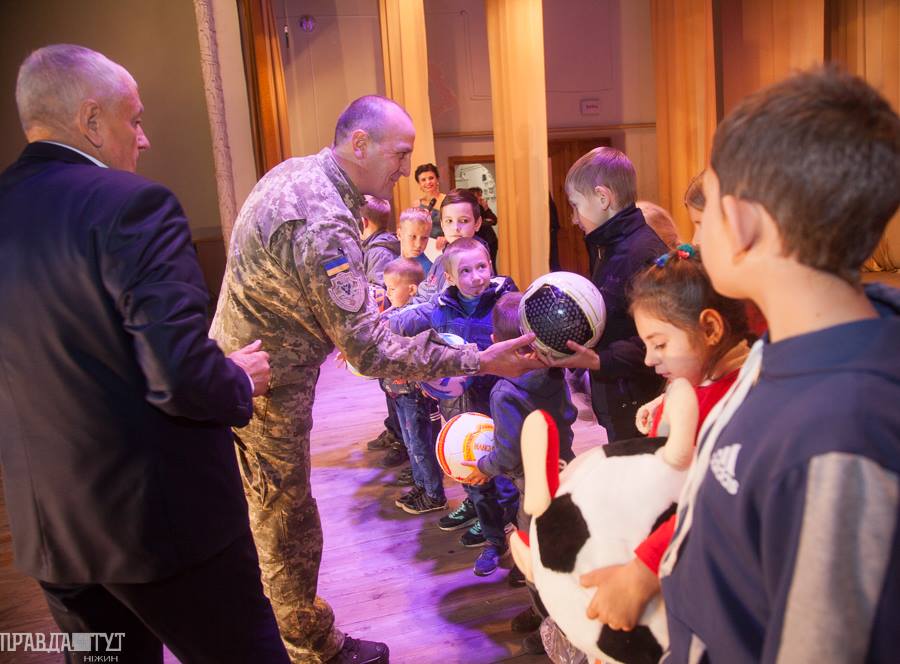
(83, 154)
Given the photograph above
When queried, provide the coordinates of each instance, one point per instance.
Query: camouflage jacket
(295, 279)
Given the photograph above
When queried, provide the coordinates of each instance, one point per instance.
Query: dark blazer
(117, 456)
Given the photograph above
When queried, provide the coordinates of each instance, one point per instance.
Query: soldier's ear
(359, 141)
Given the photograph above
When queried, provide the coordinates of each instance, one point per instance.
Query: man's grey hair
(369, 113)
(54, 81)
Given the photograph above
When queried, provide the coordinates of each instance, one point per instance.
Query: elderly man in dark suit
(121, 484)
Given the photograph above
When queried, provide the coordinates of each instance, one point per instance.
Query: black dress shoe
(357, 651)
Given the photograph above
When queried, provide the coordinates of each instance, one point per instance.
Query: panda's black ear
(638, 646)
(562, 531)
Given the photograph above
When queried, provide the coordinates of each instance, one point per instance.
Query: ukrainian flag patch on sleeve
(336, 266)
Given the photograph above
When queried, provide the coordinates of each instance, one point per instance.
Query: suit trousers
(211, 613)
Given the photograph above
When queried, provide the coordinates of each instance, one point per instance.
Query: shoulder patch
(347, 290)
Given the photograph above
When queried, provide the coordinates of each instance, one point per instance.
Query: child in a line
(464, 309)
(460, 217)
(413, 230)
(601, 187)
(690, 332)
(787, 545)
(418, 415)
(512, 400)
(379, 245)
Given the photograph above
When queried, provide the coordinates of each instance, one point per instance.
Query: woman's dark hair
(424, 168)
(676, 289)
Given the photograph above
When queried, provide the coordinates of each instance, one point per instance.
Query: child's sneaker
(423, 503)
(409, 496)
(404, 478)
(488, 560)
(382, 442)
(396, 455)
(473, 537)
(462, 517)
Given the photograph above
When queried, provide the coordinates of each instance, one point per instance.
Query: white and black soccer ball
(560, 306)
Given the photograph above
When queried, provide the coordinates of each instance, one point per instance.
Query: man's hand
(507, 359)
(255, 363)
(622, 593)
(476, 477)
(583, 358)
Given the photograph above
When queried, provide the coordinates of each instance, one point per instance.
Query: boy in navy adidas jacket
(787, 546)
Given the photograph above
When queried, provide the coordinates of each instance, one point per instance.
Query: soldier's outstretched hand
(509, 358)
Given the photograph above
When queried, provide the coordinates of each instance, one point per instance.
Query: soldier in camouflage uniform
(295, 280)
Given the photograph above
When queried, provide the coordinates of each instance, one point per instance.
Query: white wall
(327, 68)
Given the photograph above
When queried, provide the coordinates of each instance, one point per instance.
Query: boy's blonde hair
(605, 167)
(660, 221)
(408, 270)
(415, 214)
(377, 211)
(463, 244)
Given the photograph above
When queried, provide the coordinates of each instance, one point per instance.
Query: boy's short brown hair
(415, 214)
(463, 196)
(463, 244)
(820, 151)
(377, 210)
(408, 269)
(606, 167)
(505, 317)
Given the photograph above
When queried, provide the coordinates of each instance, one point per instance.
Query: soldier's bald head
(373, 114)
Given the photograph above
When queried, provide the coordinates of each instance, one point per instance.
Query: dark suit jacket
(115, 406)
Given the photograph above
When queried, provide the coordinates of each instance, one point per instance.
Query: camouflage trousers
(274, 457)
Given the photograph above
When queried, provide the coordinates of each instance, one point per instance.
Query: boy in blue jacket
(512, 400)
(464, 309)
(787, 546)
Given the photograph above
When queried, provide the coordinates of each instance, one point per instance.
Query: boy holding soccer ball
(601, 187)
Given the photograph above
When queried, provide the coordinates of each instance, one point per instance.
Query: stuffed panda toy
(594, 514)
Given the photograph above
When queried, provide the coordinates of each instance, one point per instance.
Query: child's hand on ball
(476, 476)
(581, 358)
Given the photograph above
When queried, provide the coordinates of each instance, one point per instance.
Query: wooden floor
(390, 576)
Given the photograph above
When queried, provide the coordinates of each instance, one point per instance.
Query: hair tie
(682, 251)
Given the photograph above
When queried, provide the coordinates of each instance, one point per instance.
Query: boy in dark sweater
(601, 187)
(379, 245)
(512, 400)
(787, 544)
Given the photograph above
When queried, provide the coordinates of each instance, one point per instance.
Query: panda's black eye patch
(561, 531)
